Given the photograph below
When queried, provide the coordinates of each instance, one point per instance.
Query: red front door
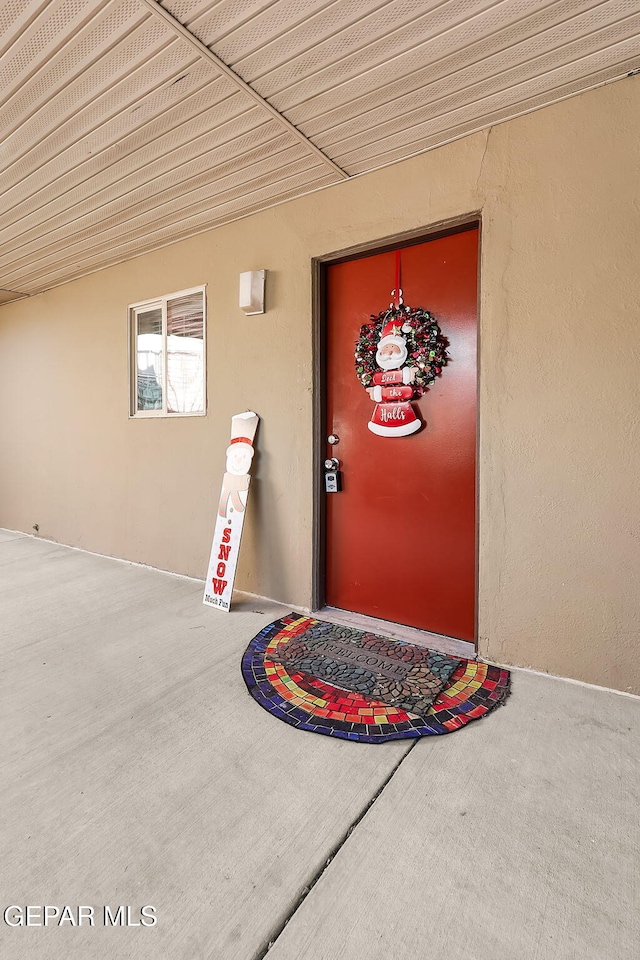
(401, 534)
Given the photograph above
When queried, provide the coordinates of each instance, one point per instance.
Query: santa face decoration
(393, 414)
(391, 352)
(398, 356)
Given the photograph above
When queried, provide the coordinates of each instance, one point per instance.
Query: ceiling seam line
(107, 244)
(109, 146)
(329, 36)
(485, 123)
(148, 228)
(13, 264)
(242, 85)
(135, 170)
(60, 124)
(442, 59)
(460, 90)
(364, 44)
(168, 243)
(30, 19)
(480, 100)
(133, 189)
(484, 126)
(403, 53)
(66, 83)
(21, 80)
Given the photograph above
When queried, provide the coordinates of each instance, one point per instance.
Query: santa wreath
(399, 354)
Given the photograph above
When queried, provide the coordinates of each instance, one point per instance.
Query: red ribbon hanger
(396, 293)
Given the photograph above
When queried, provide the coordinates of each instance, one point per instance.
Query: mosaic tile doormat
(354, 685)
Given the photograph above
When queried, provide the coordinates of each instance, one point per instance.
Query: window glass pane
(149, 359)
(185, 354)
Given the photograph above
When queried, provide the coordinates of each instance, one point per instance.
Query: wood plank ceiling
(128, 124)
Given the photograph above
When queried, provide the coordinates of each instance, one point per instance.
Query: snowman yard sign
(231, 512)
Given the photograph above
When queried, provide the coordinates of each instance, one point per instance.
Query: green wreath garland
(426, 345)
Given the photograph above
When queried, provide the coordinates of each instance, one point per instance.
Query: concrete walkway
(137, 771)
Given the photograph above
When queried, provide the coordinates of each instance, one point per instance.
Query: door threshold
(398, 631)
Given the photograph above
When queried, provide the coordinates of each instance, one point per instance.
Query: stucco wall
(559, 457)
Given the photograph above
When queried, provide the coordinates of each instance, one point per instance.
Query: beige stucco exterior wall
(559, 453)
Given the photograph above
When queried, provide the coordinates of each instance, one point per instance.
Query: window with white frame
(167, 368)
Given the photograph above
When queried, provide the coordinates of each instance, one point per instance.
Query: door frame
(319, 266)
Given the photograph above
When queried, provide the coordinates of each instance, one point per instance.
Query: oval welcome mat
(355, 685)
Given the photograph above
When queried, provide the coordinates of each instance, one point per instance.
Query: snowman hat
(243, 427)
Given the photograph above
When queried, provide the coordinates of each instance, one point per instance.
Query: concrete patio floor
(138, 771)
